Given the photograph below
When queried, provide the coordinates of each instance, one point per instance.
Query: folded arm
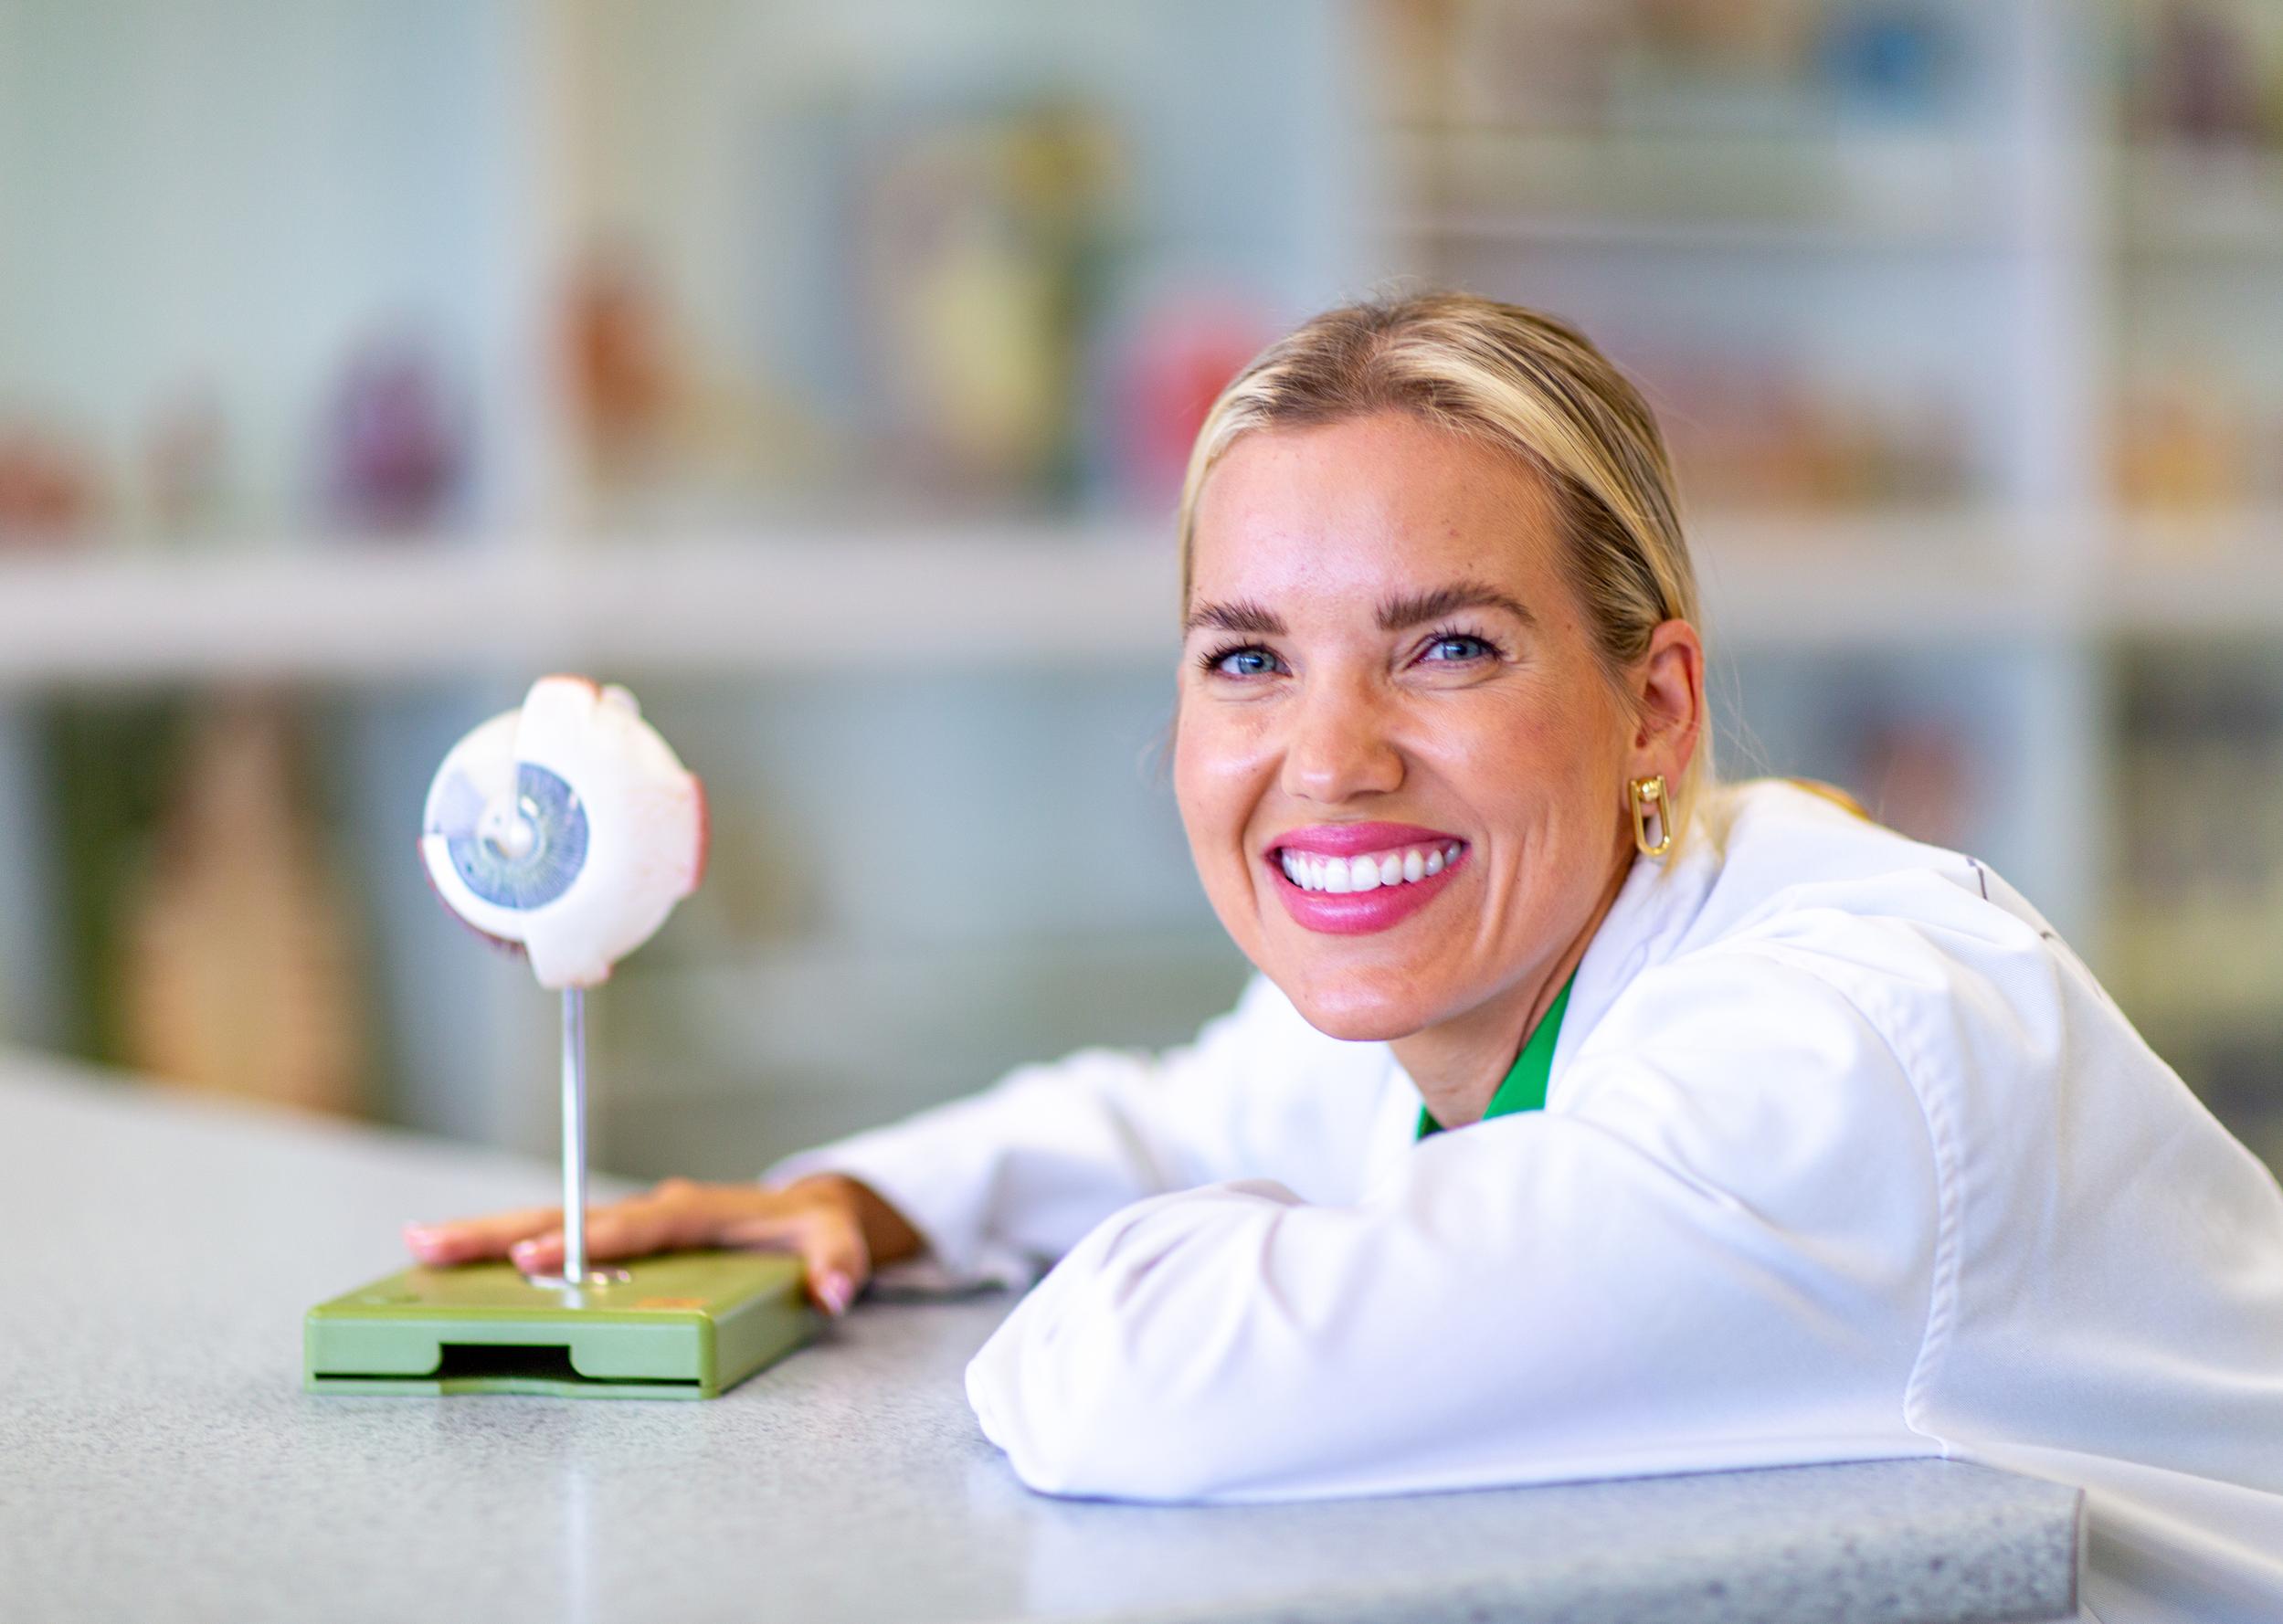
(1715, 1250)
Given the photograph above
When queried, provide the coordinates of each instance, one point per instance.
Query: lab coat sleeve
(1003, 1182)
(1714, 1249)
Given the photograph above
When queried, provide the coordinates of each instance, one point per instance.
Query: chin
(1350, 1008)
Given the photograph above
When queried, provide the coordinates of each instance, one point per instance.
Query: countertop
(159, 1460)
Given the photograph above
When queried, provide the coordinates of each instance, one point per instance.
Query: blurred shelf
(1803, 581)
(2198, 574)
(1012, 596)
(2189, 202)
(1028, 597)
(1762, 194)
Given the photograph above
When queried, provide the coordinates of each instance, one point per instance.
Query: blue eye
(1466, 647)
(1248, 661)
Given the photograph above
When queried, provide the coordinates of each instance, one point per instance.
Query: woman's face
(1401, 769)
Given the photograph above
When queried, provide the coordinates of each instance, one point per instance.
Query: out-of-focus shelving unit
(772, 360)
(1017, 594)
(1954, 312)
(2036, 612)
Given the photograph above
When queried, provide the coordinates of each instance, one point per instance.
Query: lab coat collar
(1642, 929)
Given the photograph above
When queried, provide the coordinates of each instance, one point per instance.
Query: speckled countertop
(159, 1460)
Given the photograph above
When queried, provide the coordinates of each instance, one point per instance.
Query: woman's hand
(841, 1228)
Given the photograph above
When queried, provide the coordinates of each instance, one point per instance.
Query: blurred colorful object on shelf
(395, 437)
(186, 459)
(619, 361)
(977, 241)
(1173, 362)
(1735, 66)
(50, 491)
(2208, 73)
(2191, 443)
(1746, 431)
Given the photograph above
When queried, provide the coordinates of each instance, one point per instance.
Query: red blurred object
(49, 488)
(1181, 354)
(618, 359)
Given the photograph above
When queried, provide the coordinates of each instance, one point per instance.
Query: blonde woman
(1587, 1117)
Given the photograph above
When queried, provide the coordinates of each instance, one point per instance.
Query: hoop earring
(1650, 795)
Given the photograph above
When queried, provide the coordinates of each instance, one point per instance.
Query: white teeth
(1341, 875)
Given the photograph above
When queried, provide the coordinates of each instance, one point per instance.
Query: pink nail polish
(837, 1290)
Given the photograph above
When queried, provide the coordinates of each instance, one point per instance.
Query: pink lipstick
(1353, 878)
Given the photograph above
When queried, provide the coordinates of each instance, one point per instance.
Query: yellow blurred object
(238, 974)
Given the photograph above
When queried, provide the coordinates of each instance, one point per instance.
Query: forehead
(1367, 505)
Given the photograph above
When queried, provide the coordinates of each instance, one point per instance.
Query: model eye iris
(526, 853)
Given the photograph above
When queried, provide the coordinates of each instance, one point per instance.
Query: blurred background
(824, 371)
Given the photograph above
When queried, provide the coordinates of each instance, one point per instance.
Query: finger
(462, 1240)
(834, 1259)
(536, 1254)
(634, 1228)
(653, 1223)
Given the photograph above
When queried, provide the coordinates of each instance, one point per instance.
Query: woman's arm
(1716, 1250)
(1002, 1182)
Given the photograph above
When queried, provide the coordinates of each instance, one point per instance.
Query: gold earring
(1649, 795)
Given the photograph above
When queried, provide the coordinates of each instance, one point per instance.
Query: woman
(1587, 1117)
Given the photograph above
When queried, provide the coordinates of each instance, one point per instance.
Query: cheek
(1218, 781)
(1215, 770)
(1556, 737)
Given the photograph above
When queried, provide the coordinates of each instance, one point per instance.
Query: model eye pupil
(1249, 663)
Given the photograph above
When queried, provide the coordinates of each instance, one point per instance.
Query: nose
(1340, 745)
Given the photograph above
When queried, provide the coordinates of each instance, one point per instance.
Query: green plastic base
(687, 1325)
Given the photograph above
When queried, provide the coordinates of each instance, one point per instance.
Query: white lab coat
(1845, 1156)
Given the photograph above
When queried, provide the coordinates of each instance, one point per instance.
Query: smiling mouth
(1370, 870)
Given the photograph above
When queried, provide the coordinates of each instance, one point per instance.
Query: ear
(1669, 689)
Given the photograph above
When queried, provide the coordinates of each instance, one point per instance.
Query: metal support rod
(575, 1136)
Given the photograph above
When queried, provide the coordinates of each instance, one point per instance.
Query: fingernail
(837, 1290)
(526, 1249)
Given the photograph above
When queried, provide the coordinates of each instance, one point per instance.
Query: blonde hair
(1530, 385)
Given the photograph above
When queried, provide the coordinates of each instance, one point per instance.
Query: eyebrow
(1241, 617)
(1397, 614)
(1418, 608)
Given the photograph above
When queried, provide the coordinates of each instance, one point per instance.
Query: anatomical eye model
(567, 830)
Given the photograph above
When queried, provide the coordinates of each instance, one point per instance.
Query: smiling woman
(1410, 637)
(1588, 1117)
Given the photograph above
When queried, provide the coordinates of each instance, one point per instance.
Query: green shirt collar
(1525, 1087)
